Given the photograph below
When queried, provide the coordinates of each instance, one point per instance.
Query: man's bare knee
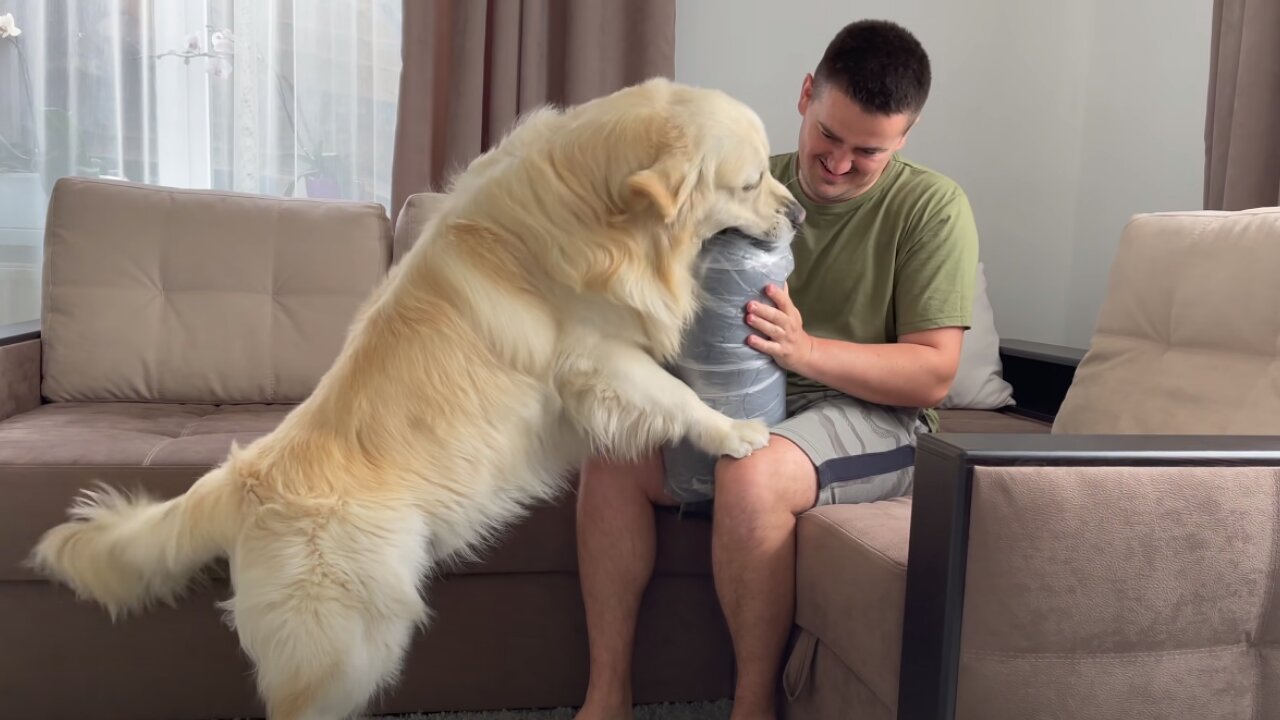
(780, 475)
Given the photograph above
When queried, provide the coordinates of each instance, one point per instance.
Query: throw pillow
(979, 384)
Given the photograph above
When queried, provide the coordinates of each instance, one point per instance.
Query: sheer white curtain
(281, 97)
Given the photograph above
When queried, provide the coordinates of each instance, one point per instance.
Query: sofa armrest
(1045, 354)
(1040, 374)
(19, 368)
(1075, 494)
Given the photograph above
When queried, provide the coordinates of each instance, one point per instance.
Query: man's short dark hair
(879, 65)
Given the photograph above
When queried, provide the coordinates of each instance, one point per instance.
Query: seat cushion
(851, 581)
(159, 294)
(48, 455)
(132, 434)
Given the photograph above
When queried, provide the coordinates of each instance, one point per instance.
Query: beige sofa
(1127, 565)
(177, 321)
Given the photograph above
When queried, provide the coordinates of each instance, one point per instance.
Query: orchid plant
(321, 178)
(16, 156)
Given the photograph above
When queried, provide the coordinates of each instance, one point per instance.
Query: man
(869, 328)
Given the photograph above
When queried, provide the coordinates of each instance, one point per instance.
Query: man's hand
(783, 329)
(915, 371)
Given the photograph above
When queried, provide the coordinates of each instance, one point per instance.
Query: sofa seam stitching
(146, 462)
(1049, 657)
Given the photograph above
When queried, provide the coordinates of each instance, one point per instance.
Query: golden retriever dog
(524, 330)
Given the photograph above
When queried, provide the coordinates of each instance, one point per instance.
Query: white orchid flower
(8, 26)
(221, 42)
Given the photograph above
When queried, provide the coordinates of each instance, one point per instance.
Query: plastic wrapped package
(716, 362)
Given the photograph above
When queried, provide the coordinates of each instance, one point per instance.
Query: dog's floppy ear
(666, 186)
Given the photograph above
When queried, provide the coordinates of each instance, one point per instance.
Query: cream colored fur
(525, 329)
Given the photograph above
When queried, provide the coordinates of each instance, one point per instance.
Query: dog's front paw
(738, 438)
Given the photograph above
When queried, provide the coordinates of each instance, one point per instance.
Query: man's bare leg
(753, 558)
(616, 547)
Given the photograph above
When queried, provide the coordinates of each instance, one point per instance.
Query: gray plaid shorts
(863, 452)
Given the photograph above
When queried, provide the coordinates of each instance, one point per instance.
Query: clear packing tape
(715, 360)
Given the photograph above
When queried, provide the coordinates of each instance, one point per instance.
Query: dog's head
(681, 164)
(616, 196)
(710, 170)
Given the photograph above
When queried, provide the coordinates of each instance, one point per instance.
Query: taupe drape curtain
(470, 67)
(1242, 125)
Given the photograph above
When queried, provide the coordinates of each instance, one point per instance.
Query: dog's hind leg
(327, 614)
(340, 670)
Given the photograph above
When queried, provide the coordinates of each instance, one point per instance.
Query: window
(278, 97)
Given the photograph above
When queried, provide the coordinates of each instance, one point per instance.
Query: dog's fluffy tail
(128, 552)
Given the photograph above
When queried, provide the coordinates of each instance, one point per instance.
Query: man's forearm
(915, 371)
(903, 373)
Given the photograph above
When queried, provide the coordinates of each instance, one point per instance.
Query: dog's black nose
(795, 213)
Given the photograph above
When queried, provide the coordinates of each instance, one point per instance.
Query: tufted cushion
(156, 294)
(1188, 340)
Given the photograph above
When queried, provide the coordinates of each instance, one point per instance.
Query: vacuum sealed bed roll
(715, 360)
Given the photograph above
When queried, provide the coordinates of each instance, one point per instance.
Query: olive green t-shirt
(899, 258)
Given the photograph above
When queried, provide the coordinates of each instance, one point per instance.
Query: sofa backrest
(413, 217)
(154, 294)
(1188, 339)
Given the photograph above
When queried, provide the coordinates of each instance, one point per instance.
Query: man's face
(842, 148)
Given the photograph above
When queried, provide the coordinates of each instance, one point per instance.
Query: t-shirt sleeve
(938, 265)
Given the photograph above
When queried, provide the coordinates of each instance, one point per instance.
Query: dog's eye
(753, 184)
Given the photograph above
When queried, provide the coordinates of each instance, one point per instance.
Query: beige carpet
(673, 711)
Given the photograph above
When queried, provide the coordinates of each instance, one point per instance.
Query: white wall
(1060, 119)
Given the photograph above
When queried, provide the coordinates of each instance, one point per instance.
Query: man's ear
(806, 94)
(666, 186)
(905, 133)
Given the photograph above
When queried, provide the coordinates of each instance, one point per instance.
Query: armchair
(1123, 565)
